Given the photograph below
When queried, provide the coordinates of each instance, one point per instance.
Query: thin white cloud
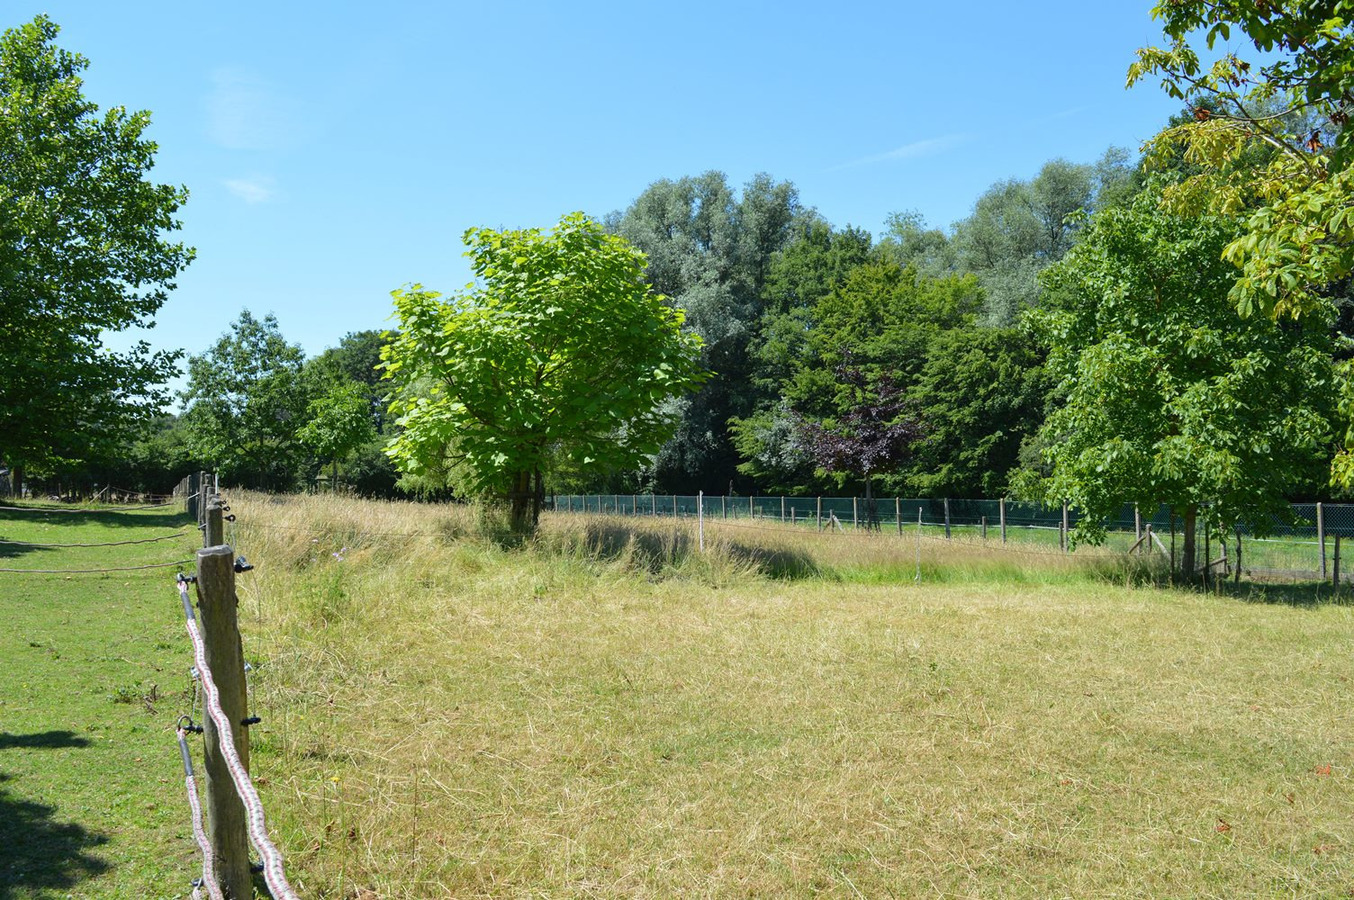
(1065, 114)
(914, 150)
(245, 113)
(255, 189)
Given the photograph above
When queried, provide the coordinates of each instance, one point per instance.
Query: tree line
(1173, 328)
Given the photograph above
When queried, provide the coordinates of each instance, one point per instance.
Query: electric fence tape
(195, 805)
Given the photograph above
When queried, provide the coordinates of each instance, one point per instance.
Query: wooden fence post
(820, 513)
(1064, 540)
(855, 514)
(947, 518)
(984, 527)
(213, 535)
(724, 505)
(751, 512)
(226, 827)
(1001, 511)
(1137, 523)
(898, 514)
(782, 510)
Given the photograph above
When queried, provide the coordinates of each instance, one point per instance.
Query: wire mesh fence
(1303, 545)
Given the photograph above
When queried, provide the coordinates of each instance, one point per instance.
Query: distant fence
(1305, 545)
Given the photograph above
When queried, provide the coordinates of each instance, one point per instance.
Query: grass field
(609, 712)
(94, 672)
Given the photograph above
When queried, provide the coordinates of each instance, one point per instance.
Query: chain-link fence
(1304, 545)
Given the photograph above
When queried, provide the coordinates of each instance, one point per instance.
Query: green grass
(609, 712)
(94, 673)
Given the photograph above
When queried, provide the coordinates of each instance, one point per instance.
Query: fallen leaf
(1222, 827)
(1323, 770)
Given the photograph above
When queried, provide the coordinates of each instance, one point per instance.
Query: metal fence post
(1321, 536)
(700, 519)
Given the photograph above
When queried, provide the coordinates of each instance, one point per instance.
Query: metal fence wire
(1304, 544)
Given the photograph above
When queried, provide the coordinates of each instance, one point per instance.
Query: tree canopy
(1169, 394)
(83, 250)
(560, 355)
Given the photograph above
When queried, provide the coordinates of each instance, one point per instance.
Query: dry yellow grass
(595, 715)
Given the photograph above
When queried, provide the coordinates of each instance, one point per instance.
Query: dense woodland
(1173, 327)
(782, 300)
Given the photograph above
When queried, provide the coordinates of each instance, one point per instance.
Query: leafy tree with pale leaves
(560, 354)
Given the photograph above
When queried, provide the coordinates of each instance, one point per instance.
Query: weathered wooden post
(947, 518)
(213, 534)
(820, 513)
(782, 509)
(226, 828)
(855, 515)
(674, 506)
(1236, 577)
(724, 506)
(1137, 523)
(984, 527)
(1065, 542)
(751, 513)
(898, 514)
(1001, 511)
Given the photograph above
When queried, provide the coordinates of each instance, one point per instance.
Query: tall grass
(608, 711)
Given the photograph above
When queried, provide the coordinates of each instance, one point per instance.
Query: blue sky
(334, 152)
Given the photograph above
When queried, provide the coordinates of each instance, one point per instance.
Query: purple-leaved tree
(875, 433)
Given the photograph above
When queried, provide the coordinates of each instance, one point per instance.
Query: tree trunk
(1187, 566)
(871, 512)
(520, 497)
(537, 498)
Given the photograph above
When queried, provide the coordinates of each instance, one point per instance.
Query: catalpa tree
(559, 353)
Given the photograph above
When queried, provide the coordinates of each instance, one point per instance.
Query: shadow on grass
(13, 551)
(654, 550)
(38, 853)
(131, 517)
(1309, 595)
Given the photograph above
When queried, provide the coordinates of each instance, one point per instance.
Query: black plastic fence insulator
(229, 518)
(256, 868)
(187, 760)
(242, 564)
(250, 720)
